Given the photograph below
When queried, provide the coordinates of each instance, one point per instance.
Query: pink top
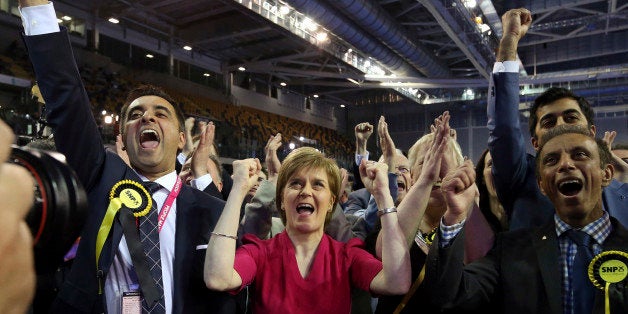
(279, 287)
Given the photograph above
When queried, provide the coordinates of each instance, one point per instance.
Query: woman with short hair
(303, 270)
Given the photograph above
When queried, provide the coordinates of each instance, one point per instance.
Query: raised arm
(386, 144)
(219, 259)
(394, 278)
(67, 105)
(362, 133)
(272, 160)
(621, 167)
(447, 281)
(121, 150)
(203, 149)
(413, 205)
(258, 213)
(506, 140)
(189, 142)
(460, 192)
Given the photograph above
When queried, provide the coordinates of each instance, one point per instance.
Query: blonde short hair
(427, 139)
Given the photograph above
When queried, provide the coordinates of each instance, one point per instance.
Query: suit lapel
(546, 246)
(617, 240)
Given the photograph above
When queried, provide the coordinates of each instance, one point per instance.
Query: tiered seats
(241, 126)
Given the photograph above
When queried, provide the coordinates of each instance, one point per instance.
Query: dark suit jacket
(76, 135)
(513, 167)
(212, 190)
(357, 181)
(521, 274)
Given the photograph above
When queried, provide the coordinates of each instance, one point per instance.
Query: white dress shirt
(122, 278)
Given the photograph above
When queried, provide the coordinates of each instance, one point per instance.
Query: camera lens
(60, 205)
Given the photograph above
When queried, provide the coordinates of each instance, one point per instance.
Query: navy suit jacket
(513, 167)
(77, 136)
(521, 274)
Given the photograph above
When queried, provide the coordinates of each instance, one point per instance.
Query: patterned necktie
(149, 236)
(583, 290)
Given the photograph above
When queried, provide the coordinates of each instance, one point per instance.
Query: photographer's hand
(17, 273)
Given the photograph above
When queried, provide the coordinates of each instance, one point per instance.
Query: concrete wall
(287, 105)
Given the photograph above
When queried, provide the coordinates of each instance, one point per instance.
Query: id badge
(131, 302)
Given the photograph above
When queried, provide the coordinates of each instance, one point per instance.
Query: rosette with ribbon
(126, 193)
(607, 268)
(131, 200)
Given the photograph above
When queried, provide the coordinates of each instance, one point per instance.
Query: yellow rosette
(126, 193)
(607, 268)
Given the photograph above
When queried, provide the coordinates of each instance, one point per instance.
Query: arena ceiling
(420, 50)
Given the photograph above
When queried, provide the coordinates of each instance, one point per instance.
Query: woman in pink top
(303, 270)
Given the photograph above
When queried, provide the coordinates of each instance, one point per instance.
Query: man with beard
(115, 267)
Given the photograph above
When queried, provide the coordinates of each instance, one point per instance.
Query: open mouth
(307, 209)
(401, 185)
(149, 139)
(570, 187)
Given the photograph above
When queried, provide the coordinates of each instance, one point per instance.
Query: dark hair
(553, 94)
(485, 198)
(150, 90)
(602, 148)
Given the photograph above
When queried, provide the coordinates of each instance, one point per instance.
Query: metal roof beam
(204, 14)
(448, 23)
(235, 35)
(556, 37)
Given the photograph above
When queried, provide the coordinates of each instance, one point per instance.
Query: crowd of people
(242, 131)
(169, 231)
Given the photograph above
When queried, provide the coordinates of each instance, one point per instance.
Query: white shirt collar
(167, 181)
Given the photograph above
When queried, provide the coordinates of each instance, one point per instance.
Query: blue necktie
(583, 290)
(149, 236)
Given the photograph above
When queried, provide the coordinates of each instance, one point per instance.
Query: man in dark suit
(533, 270)
(151, 125)
(513, 168)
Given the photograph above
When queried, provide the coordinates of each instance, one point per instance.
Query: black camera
(60, 206)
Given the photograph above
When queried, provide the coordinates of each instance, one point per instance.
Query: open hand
(272, 160)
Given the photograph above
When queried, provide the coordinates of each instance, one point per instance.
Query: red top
(279, 287)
